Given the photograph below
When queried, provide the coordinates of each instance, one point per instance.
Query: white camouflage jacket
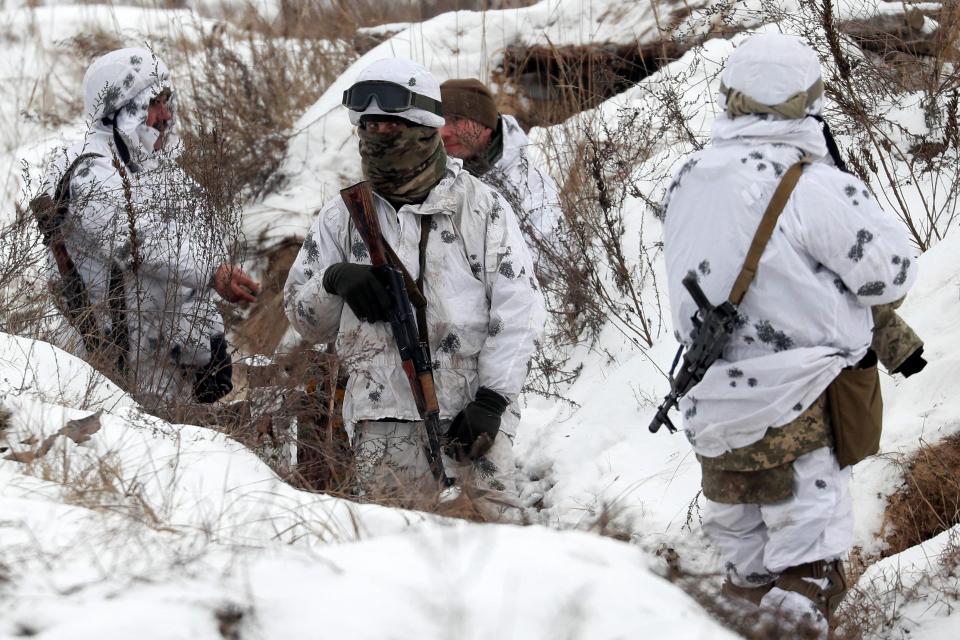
(528, 187)
(485, 311)
(170, 314)
(806, 315)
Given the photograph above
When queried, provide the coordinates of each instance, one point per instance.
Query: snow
(916, 591)
(323, 155)
(150, 529)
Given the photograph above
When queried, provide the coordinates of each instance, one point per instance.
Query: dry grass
(878, 608)
(266, 323)
(240, 100)
(928, 503)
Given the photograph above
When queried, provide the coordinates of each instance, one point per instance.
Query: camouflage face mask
(405, 165)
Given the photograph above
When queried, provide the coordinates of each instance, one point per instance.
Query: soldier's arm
(844, 229)
(314, 312)
(893, 339)
(517, 313)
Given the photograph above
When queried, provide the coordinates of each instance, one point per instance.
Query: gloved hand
(913, 364)
(360, 289)
(474, 429)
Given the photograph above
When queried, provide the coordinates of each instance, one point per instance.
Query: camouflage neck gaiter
(403, 166)
(486, 159)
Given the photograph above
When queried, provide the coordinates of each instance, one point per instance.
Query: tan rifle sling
(765, 230)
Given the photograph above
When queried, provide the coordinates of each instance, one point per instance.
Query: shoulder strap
(63, 187)
(767, 224)
(51, 212)
(422, 309)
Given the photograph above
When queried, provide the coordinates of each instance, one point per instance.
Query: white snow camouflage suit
(528, 187)
(170, 315)
(806, 315)
(485, 311)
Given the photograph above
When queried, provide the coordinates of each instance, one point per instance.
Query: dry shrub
(245, 96)
(264, 327)
(597, 271)
(545, 85)
(929, 501)
(868, 76)
(24, 304)
(92, 482)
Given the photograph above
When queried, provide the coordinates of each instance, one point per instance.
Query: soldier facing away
(484, 309)
(132, 262)
(495, 149)
(762, 420)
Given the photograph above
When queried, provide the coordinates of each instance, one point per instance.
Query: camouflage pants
(392, 465)
(756, 542)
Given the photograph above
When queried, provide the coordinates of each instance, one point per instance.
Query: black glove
(474, 429)
(214, 380)
(913, 364)
(361, 290)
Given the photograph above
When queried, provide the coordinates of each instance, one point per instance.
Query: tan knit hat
(469, 98)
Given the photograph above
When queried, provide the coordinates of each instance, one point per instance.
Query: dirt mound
(929, 501)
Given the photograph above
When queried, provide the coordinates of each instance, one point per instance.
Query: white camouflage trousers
(757, 542)
(391, 460)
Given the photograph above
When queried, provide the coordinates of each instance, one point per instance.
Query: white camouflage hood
(118, 87)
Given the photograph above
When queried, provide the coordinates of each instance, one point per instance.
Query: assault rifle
(414, 352)
(712, 328)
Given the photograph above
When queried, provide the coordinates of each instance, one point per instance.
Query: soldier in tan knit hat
(472, 119)
(494, 148)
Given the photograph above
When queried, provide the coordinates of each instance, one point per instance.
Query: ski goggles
(391, 98)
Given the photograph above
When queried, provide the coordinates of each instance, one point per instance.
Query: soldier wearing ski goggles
(461, 247)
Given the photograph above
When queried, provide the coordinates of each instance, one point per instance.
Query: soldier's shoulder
(825, 182)
(512, 128)
(465, 186)
(76, 157)
(332, 212)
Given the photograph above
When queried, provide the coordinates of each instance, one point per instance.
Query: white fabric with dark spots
(485, 310)
(169, 309)
(833, 254)
(526, 183)
(758, 542)
(391, 461)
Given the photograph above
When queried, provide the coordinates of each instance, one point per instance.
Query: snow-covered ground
(128, 526)
(155, 530)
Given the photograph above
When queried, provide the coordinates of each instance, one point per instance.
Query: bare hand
(234, 285)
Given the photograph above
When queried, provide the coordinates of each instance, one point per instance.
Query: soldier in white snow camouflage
(778, 503)
(495, 149)
(484, 308)
(143, 261)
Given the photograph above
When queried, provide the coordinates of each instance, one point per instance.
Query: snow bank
(153, 530)
(914, 593)
(323, 155)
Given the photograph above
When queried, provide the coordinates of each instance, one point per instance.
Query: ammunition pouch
(856, 411)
